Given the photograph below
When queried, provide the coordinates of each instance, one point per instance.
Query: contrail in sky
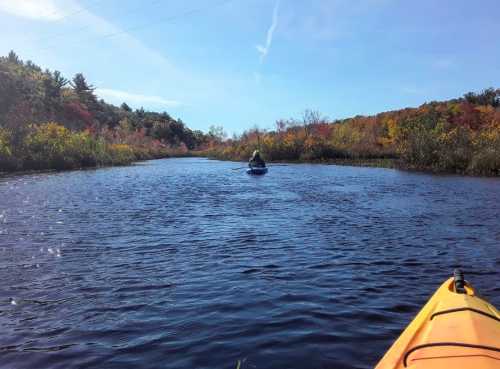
(264, 50)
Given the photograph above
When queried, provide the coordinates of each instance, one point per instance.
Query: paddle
(272, 165)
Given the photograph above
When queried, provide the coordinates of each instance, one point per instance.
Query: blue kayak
(257, 170)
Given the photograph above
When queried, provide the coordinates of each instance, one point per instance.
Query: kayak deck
(453, 330)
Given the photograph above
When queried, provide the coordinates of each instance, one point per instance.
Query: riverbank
(53, 146)
(48, 122)
(28, 171)
(137, 159)
(389, 163)
(459, 136)
(378, 163)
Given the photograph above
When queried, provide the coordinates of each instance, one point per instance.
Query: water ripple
(184, 263)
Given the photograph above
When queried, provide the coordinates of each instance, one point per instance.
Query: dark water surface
(184, 263)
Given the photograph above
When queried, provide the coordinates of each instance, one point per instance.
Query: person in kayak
(256, 161)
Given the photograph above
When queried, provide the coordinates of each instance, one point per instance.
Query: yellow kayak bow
(456, 329)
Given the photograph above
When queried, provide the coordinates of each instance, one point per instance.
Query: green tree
(59, 80)
(13, 58)
(124, 106)
(217, 133)
(488, 96)
(32, 66)
(53, 84)
(84, 90)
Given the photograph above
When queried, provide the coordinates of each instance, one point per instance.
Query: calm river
(186, 263)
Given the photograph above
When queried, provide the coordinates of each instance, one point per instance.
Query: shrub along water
(53, 146)
(459, 136)
(48, 122)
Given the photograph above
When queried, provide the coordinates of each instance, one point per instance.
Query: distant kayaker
(256, 161)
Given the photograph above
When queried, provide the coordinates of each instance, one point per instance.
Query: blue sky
(240, 63)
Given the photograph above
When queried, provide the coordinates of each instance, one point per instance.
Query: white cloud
(264, 50)
(45, 10)
(135, 99)
(95, 28)
(111, 33)
(163, 82)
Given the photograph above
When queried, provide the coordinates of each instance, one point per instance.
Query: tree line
(50, 122)
(460, 135)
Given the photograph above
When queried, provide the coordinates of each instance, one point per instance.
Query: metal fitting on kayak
(459, 281)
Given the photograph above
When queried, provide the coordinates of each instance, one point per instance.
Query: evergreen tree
(59, 80)
(489, 96)
(32, 66)
(125, 107)
(84, 90)
(52, 85)
(13, 58)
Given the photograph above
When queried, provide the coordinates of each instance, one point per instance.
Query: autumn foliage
(460, 136)
(49, 122)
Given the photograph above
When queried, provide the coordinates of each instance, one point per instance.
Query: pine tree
(53, 84)
(125, 107)
(84, 90)
(59, 80)
(13, 58)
